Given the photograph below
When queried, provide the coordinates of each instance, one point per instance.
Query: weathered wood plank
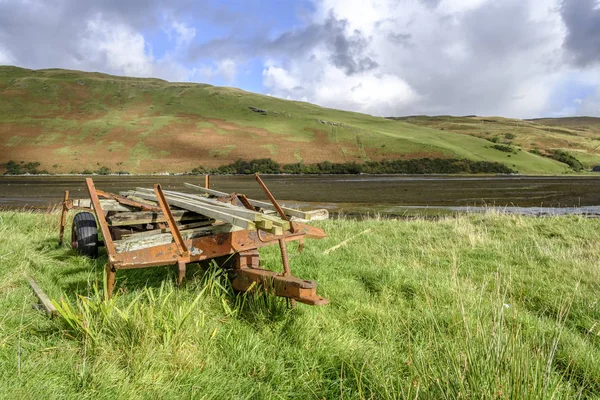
(144, 242)
(268, 220)
(231, 209)
(43, 298)
(167, 230)
(257, 203)
(106, 204)
(264, 224)
(267, 223)
(283, 224)
(197, 207)
(148, 217)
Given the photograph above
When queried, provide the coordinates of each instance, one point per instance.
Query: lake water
(387, 194)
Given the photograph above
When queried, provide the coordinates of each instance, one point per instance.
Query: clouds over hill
(522, 58)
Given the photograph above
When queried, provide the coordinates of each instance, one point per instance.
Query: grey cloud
(431, 3)
(403, 39)
(497, 50)
(582, 18)
(43, 34)
(347, 51)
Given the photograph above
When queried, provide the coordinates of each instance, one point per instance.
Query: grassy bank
(484, 306)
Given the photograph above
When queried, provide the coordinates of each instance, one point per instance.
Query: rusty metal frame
(63, 217)
(243, 244)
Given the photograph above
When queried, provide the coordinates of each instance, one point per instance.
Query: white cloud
(456, 57)
(117, 46)
(182, 33)
(6, 58)
(224, 69)
(364, 91)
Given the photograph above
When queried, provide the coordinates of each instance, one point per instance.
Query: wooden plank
(263, 222)
(268, 220)
(126, 201)
(320, 214)
(45, 302)
(144, 242)
(231, 209)
(107, 205)
(257, 203)
(283, 224)
(197, 207)
(149, 217)
(166, 230)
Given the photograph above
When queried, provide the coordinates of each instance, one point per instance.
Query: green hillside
(72, 121)
(578, 136)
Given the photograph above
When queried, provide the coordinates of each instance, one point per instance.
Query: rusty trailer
(151, 227)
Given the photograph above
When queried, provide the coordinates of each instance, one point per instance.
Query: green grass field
(70, 121)
(481, 306)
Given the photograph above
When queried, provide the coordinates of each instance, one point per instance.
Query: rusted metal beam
(181, 247)
(273, 201)
(304, 291)
(245, 202)
(101, 218)
(286, 264)
(111, 273)
(63, 217)
(211, 246)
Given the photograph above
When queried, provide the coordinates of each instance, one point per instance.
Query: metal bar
(207, 181)
(284, 257)
(63, 218)
(293, 288)
(111, 273)
(108, 242)
(273, 201)
(211, 246)
(181, 247)
(245, 202)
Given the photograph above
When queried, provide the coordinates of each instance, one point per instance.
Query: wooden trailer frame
(243, 245)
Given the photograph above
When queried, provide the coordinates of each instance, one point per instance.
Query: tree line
(269, 166)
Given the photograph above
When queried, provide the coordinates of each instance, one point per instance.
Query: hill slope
(579, 136)
(71, 121)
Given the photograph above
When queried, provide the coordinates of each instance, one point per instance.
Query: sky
(513, 58)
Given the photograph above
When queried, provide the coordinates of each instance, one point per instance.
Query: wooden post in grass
(45, 302)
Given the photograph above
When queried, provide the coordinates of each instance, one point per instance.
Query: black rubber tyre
(84, 235)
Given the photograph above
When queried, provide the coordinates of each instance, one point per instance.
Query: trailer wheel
(84, 236)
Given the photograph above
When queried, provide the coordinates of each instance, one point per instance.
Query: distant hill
(70, 121)
(578, 136)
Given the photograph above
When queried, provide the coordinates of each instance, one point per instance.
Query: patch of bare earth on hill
(181, 146)
(138, 110)
(190, 146)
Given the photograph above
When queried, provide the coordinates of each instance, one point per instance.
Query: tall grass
(482, 306)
